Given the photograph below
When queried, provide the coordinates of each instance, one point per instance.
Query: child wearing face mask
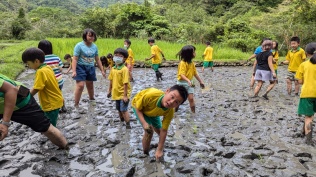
(120, 88)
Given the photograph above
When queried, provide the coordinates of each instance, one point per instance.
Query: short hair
(151, 40)
(46, 46)
(86, 32)
(128, 41)
(296, 39)
(208, 43)
(67, 56)
(122, 52)
(109, 55)
(311, 50)
(182, 91)
(31, 54)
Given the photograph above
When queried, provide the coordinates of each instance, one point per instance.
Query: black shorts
(32, 116)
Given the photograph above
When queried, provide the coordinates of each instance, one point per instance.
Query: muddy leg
(56, 137)
(127, 120)
(258, 88)
(146, 141)
(270, 87)
(252, 82)
(297, 87)
(90, 89)
(191, 102)
(78, 91)
(121, 116)
(309, 130)
(289, 86)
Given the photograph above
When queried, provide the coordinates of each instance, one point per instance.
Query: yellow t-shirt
(307, 73)
(148, 101)
(295, 59)
(119, 76)
(208, 54)
(275, 55)
(187, 69)
(155, 50)
(49, 94)
(130, 57)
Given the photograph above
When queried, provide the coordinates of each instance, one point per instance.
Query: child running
(120, 88)
(208, 57)
(155, 58)
(263, 69)
(130, 60)
(45, 83)
(55, 63)
(306, 76)
(148, 105)
(294, 58)
(186, 72)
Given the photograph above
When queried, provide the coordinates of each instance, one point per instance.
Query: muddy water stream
(229, 135)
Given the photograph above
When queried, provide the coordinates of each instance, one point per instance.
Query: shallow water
(229, 135)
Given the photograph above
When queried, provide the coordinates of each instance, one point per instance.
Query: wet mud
(229, 135)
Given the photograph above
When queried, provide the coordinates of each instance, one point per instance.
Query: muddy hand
(202, 85)
(159, 155)
(3, 131)
(109, 95)
(149, 130)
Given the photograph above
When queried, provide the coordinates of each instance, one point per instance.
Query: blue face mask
(118, 60)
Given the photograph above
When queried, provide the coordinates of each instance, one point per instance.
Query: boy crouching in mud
(151, 103)
(120, 88)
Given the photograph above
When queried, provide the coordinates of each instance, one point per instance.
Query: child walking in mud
(186, 72)
(120, 87)
(294, 58)
(45, 83)
(130, 60)
(155, 58)
(148, 105)
(68, 58)
(263, 69)
(307, 105)
(208, 57)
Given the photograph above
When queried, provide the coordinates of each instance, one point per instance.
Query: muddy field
(229, 135)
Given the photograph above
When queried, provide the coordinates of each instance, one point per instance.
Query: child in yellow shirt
(306, 76)
(130, 59)
(120, 88)
(208, 57)
(155, 58)
(275, 54)
(294, 58)
(148, 105)
(45, 83)
(186, 72)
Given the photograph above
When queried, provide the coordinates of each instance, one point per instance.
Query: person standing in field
(294, 58)
(85, 53)
(208, 57)
(263, 69)
(130, 60)
(155, 58)
(305, 75)
(55, 63)
(186, 72)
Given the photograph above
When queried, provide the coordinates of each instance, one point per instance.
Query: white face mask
(125, 46)
(118, 60)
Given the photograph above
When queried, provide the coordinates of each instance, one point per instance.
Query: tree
(20, 25)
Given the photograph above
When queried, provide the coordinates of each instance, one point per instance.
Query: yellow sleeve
(205, 52)
(40, 80)
(167, 118)
(276, 56)
(153, 51)
(125, 76)
(300, 72)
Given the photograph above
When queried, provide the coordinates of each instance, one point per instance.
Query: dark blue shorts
(121, 105)
(85, 73)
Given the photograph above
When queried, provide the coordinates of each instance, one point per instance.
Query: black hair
(186, 53)
(296, 39)
(122, 52)
(128, 41)
(31, 54)
(276, 45)
(208, 43)
(182, 91)
(67, 56)
(311, 50)
(104, 61)
(151, 40)
(46, 46)
(109, 55)
(86, 32)
(264, 40)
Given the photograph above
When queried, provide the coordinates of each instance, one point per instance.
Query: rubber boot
(193, 109)
(309, 136)
(158, 75)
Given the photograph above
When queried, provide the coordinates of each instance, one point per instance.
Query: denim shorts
(85, 73)
(121, 105)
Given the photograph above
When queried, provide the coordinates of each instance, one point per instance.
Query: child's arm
(33, 91)
(125, 98)
(254, 67)
(142, 119)
(270, 59)
(152, 56)
(74, 66)
(200, 80)
(163, 56)
(97, 59)
(251, 57)
(183, 77)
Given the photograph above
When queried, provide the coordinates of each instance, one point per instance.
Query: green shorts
(186, 86)
(53, 116)
(276, 71)
(154, 121)
(207, 64)
(307, 106)
(155, 67)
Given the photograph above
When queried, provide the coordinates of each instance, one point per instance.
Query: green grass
(12, 70)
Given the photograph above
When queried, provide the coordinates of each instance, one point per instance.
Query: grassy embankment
(11, 51)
